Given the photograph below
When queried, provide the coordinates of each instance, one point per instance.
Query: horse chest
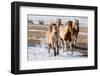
(55, 37)
(67, 36)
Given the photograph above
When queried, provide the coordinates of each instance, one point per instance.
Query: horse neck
(70, 27)
(67, 28)
(75, 26)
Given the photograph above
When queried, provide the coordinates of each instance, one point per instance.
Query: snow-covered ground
(38, 53)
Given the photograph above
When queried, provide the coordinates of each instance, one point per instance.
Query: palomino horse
(52, 38)
(75, 31)
(65, 33)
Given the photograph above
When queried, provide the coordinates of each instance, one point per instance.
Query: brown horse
(52, 38)
(75, 31)
(65, 33)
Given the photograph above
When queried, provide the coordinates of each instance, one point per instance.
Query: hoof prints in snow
(37, 53)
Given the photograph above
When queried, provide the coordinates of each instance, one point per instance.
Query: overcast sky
(46, 18)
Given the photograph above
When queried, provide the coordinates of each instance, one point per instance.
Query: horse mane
(69, 23)
(50, 25)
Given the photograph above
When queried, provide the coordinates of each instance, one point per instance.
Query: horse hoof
(72, 53)
(54, 54)
(57, 53)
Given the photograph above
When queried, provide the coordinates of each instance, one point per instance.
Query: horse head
(54, 28)
(69, 24)
(76, 22)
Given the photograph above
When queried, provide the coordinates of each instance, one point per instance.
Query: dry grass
(84, 29)
(39, 30)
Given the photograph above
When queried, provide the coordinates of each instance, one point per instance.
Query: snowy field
(37, 49)
(38, 53)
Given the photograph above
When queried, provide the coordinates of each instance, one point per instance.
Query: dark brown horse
(75, 31)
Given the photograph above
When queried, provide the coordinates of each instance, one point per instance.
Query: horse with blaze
(65, 33)
(68, 33)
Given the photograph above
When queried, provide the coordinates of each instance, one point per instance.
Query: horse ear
(78, 20)
(59, 22)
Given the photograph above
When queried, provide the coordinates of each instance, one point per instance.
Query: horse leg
(57, 48)
(63, 45)
(71, 46)
(66, 46)
(49, 48)
(76, 39)
(54, 49)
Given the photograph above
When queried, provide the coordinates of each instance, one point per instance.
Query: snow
(38, 53)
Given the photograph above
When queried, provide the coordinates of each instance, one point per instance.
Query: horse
(52, 38)
(65, 33)
(75, 31)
